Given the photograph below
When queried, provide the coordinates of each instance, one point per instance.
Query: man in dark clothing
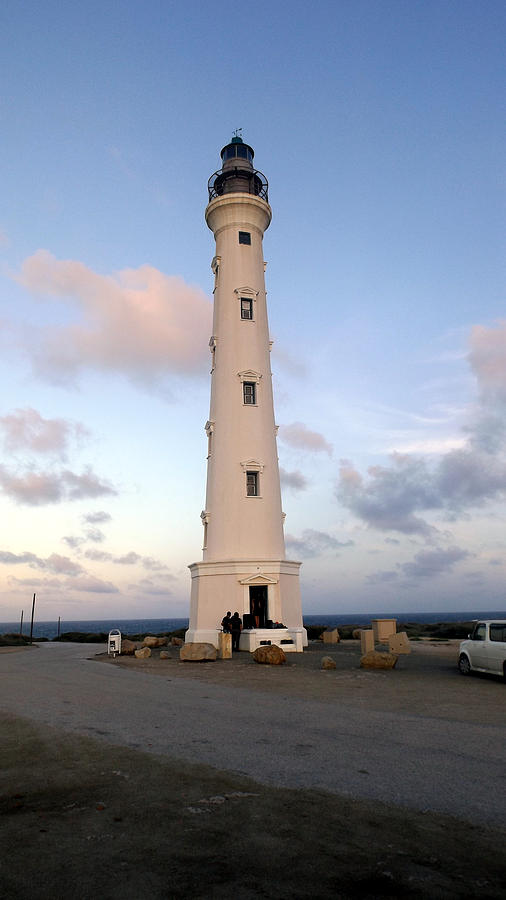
(226, 623)
(236, 626)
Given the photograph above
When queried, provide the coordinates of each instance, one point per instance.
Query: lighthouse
(243, 567)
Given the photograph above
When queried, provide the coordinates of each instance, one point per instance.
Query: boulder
(164, 654)
(128, 647)
(356, 634)
(198, 652)
(176, 642)
(328, 662)
(269, 654)
(151, 641)
(142, 653)
(377, 660)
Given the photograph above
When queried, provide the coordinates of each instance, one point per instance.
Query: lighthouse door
(258, 604)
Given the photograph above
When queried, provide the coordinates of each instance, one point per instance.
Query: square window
(252, 484)
(246, 308)
(249, 390)
(244, 237)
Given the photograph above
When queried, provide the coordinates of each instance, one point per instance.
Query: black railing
(237, 180)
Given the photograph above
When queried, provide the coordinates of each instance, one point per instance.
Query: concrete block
(383, 628)
(399, 643)
(366, 641)
(331, 636)
(224, 645)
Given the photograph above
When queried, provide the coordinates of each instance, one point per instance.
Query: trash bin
(114, 644)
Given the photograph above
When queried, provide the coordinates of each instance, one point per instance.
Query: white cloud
(137, 322)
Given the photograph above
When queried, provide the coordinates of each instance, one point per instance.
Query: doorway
(258, 605)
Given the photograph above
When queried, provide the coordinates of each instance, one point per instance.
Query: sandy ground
(85, 816)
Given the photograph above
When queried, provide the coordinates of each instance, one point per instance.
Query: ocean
(154, 626)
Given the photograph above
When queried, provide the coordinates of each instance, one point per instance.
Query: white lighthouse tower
(244, 567)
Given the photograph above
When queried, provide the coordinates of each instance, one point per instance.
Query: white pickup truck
(485, 649)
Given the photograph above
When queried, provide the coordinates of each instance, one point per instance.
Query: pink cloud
(301, 437)
(58, 565)
(296, 481)
(138, 322)
(488, 358)
(34, 488)
(26, 429)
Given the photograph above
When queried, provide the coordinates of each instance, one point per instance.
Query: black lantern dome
(237, 174)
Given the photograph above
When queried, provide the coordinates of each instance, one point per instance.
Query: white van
(485, 649)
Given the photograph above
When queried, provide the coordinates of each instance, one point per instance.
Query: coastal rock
(176, 642)
(377, 660)
(198, 652)
(270, 655)
(142, 653)
(164, 654)
(152, 641)
(328, 662)
(128, 647)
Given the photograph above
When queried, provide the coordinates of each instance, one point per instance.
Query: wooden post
(31, 623)
(21, 623)
(58, 635)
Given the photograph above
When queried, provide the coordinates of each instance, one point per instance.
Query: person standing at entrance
(236, 626)
(226, 623)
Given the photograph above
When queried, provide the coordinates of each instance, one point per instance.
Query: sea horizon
(49, 628)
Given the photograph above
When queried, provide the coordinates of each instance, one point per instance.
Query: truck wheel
(464, 664)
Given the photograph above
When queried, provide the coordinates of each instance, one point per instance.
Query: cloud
(487, 358)
(391, 497)
(58, 565)
(147, 586)
(34, 488)
(313, 543)
(97, 518)
(299, 436)
(72, 541)
(154, 565)
(98, 555)
(138, 322)
(463, 478)
(429, 563)
(296, 481)
(128, 559)
(382, 577)
(26, 429)
(90, 584)
(95, 535)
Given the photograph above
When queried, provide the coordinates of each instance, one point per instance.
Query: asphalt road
(424, 763)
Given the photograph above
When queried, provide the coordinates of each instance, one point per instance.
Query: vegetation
(414, 630)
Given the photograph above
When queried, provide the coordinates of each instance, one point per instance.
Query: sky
(379, 125)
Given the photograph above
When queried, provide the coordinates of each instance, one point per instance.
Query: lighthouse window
(246, 308)
(252, 484)
(244, 237)
(249, 390)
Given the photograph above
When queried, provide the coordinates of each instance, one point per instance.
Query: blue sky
(380, 127)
